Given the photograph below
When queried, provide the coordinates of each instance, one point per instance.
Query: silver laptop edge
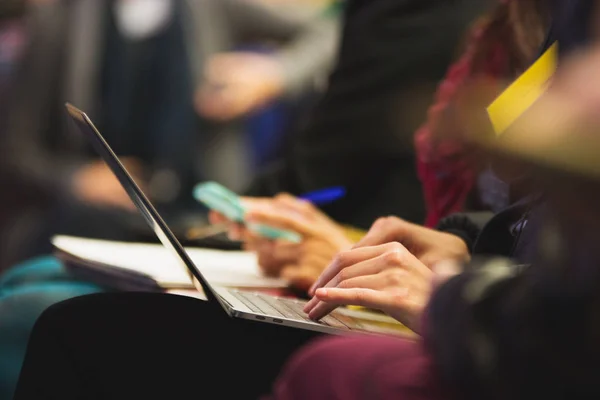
(221, 295)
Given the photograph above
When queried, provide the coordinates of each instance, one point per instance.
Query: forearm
(310, 56)
(307, 38)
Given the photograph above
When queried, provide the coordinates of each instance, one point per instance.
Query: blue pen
(324, 196)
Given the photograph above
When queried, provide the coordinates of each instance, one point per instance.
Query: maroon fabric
(352, 368)
(446, 166)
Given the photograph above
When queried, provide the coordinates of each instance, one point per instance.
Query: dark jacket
(524, 324)
(360, 134)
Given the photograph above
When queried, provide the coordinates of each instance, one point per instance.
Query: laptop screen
(154, 220)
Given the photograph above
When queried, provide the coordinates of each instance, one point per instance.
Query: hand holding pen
(219, 223)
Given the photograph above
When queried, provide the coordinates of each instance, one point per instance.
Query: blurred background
(262, 96)
(384, 98)
(184, 91)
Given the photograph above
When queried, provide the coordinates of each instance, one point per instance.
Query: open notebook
(147, 266)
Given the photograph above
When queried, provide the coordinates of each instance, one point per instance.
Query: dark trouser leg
(142, 345)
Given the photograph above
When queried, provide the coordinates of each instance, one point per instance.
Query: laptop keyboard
(286, 308)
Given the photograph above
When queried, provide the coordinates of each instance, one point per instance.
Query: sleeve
(467, 225)
(462, 323)
(309, 38)
(35, 116)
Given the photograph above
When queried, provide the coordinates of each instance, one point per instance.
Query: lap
(360, 368)
(141, 344)
(20, 306)
(153, 345)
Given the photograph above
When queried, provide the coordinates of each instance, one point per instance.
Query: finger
(286, 251)
(236, 232)
(282, 219)
(316, 261)
(444, 270)
(298, 276)
(216, 218)
(311, 304)
(347, 258)
(208, 104)
(384, 230)
(268, 264)
(219, 68)
(273, 256)
(320, 251)
(303, 207)
(363, 269)
(331, 298)
(321, 309)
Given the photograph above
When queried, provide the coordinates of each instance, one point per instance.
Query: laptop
(254, 306)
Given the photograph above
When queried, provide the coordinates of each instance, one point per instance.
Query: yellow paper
(521, 94)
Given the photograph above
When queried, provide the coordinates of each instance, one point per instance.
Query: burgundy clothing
(353, 368)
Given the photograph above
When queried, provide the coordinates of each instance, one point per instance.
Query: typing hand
(385, 277)
(299, 264)
(427, 245)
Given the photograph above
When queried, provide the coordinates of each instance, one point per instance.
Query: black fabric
(12, 9)
(150, 346)
(454, 322)
(534, 328)
(360, 135)
(467, 226)
(571, 24)
(502, 234)
(146, 94)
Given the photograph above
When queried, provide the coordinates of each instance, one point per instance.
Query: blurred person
(25, 291)
(359, 134)
(21, 196)
(43, 168)
(500, 329)
(301, 264)
(335, 241)
(135, 66)
(506, 329)
(500, 47)
(12, 42)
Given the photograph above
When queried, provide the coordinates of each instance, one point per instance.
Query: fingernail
(308, 307)
(321, 292)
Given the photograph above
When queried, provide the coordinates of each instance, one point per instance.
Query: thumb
(444, 270)
(298, 277)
